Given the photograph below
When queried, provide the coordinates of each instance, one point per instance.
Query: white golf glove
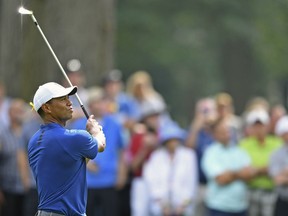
(95, 130)
(101, 140)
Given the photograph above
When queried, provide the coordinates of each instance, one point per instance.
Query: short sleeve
(82, 144)
(210, 164)
(275, 163)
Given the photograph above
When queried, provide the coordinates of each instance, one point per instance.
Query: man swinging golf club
(57, 155)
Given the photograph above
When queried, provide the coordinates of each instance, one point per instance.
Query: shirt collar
(51, 126)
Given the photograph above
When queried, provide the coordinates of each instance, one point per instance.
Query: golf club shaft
(59, 64)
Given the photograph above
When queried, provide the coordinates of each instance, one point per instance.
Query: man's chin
(69, 117)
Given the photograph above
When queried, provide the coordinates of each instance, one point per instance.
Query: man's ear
(46, 108)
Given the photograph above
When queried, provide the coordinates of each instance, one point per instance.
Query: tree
(75, 29)
(197, 48)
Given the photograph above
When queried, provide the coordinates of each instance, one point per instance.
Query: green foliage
(197, 48)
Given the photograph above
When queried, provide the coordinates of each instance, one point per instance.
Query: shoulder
(3, 130)
(80, 142)
(274, 140)
(187, 151)
(186, 154)
(111, 120)
(34, 138)
(123, 97)
(212, 152)
(279, 153)
(214, 147)
(246, 142)
(158, 154)
(77, 134)
(110, 123)
(240, 152)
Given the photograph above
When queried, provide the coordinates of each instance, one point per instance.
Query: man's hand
(101, 139)
(95, 130)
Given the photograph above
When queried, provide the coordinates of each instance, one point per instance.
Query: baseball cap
(152, 106)
(172, 131)
(257, 115)
(282, 126)
(49, 91)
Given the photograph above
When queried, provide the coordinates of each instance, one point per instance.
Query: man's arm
(122, 171)
(245, 174)
(22, 161)
(95, 130)
(282, 178)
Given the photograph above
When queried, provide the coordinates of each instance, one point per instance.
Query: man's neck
(53, 120)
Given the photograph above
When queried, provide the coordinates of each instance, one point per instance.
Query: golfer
(57, 155)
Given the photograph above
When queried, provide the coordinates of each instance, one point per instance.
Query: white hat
(257, 115)
(49, 91)
(282, 126)
(152, 106)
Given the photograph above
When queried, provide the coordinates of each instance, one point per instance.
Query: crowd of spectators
(222, 165)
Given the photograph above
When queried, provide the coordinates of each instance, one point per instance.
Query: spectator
(260, 145)
(276, 112)
(10, 180)
(144, 140)
(31, 199)
(140, 87)
(225, 109)
(254, 104)
(258, 103)
(200, 138)
(107, 172)
(121, 103)
(226, 167)
(171, 175)
(278, 169)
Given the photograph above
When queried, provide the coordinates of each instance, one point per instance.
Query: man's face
(60, 109)
(17, 112)
(259, 129)
(113, 88)
(222, 133)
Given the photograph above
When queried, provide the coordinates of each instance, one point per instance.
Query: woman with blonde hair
(139, 86)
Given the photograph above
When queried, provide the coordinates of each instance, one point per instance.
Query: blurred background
(191, 49)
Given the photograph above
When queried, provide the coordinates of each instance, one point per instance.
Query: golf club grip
(85, 111)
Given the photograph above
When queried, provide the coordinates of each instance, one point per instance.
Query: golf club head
(24, 11)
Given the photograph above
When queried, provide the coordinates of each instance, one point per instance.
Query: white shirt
(174, 180)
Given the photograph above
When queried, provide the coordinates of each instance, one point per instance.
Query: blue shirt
(216, 160)
(204, 140)
(127, 106)
(107, 162)
(57, 159)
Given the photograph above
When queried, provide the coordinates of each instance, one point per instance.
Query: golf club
(24, 11)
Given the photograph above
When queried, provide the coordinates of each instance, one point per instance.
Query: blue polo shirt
(107, 162)
(57, 159)
(204, 140)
